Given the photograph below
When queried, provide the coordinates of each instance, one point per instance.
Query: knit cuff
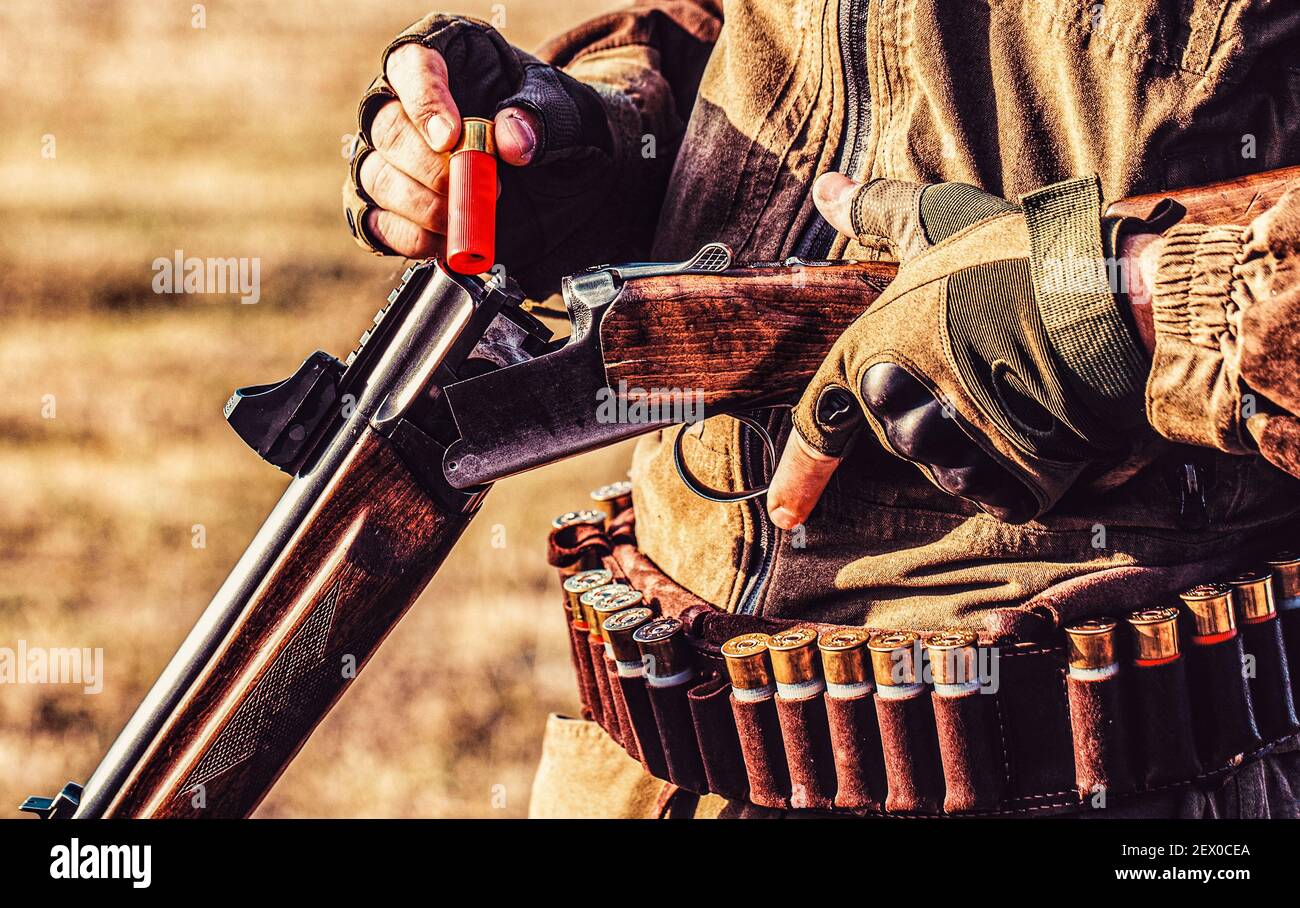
(1194, 392)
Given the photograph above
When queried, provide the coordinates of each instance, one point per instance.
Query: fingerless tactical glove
(1000, 360)
(569, 174)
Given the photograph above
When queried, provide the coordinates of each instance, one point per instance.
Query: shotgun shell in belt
(953, 663)
(605, 607)
(1093, 648)
(1252, 594)
(1286, 580)
(618, 630)
(845, 662)
(578, 518)
(583, 582)
(893, 663)
(665, 651)
(590, 599)
(795, 663)
(472, 199)
(1155, 635)
(1211, 608)
(613, 499)
(749, 666)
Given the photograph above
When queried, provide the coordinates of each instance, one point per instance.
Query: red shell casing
(471, 211)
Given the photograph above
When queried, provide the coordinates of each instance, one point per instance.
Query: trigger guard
(693, 483)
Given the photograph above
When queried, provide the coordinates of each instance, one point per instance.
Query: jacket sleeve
(646, 62)
(1226, 370)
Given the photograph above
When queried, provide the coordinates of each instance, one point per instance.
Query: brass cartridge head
(583, 582)
(794, 655)
(1093, 643)
(1211, 608)
(1252, 593)
(844, 655)
(476, 134)
(613, 499)
(1155, 633)
(605, 607)
(619, 628)
(749, 665)
(587, 517)
(952, 657)
(1286, 574)
(893, 657)
(663, 647)
(591, 598)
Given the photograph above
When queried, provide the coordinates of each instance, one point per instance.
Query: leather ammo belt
(1149, 702)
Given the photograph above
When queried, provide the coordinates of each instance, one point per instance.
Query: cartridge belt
(846, 720)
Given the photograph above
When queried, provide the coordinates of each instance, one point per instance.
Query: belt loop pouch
(577, 542)
(1101, 750)
(1225, 722)
(967, 726)
(966, 721)
(855, 740)
(1095, 690)
(1270, 688)
(1165, 717)
(608, 716)
(807, 739)
(1216, 666)
(1254, 605)
(910, 745)
(677, 736)
(642, 719)
(715, 730)
(588, 691)
(626, 736)
(763, 750)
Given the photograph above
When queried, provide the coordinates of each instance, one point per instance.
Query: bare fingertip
(516, 137)
(441, 132)
(830, 187)
(784, 518)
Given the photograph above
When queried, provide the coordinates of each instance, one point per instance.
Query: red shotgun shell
(472, 199)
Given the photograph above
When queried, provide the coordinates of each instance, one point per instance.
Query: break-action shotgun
(453, 386)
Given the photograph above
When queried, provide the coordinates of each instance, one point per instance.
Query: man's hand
(407, 175)
(552, 133)
(959, 367)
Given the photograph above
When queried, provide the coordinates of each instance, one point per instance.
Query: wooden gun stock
(744, 338)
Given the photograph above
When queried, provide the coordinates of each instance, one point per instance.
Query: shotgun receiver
(453, 386)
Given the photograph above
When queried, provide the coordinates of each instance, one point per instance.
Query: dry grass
(224, 141)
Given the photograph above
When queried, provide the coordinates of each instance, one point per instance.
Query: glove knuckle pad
(836, 408)
(890, 390)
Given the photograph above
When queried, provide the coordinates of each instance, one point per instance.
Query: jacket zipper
(814, 244)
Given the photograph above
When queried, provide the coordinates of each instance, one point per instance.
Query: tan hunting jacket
(1008, 95)
(749, 101)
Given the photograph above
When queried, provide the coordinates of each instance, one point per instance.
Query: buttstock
(1236, 201)
(747, 337)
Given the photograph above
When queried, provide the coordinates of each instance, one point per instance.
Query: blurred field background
(226, 141)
